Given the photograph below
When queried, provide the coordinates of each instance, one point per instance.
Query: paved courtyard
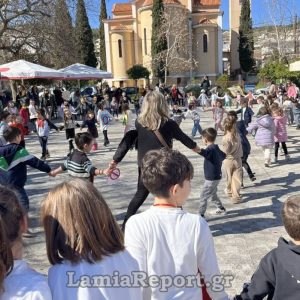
(242, 237)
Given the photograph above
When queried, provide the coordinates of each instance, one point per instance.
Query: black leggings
(246, 166)
(138, 199)
(283, 144)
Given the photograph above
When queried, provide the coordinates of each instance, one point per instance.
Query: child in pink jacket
(280, 136)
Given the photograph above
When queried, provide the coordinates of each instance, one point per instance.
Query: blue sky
(260, 11)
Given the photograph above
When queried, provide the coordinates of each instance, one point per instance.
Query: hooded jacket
(277, 276)
(265, 130)
(280, 129)
(14, 160)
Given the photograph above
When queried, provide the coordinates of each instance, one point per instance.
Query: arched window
(120, 48)
(205, 43)
(145, 40)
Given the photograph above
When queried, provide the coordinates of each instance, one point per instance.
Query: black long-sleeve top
(147, 140)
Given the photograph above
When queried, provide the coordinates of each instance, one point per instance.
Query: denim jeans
(196, 128)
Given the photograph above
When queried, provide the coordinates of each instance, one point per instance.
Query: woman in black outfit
(154, 116)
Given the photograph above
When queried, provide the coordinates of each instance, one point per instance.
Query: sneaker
(221, 211)
(28, 234)
(253, 178)
(275, 160)
(47, 155)
(287, 157)
(43, 158)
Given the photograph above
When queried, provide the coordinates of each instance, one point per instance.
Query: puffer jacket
(265, 130)
(280, 129)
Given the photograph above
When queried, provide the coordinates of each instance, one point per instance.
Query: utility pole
(295, 35)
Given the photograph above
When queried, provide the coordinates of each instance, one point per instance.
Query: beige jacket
(232, 148)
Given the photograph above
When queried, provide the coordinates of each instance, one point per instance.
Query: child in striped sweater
(78, 164)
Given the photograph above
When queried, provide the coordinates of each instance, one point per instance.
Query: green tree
(158, 42)
(136, 72)
(63, 44)
(246, 44)
(84, 37)
(103, 16)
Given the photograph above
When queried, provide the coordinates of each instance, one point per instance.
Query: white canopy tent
(295, 66)
(83, 72)
(22, 69)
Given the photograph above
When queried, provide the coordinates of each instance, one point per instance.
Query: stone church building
(128, 39)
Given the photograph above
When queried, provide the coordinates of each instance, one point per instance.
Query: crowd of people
(164, 252)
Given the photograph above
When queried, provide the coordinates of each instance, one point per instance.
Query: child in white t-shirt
(18, 280)
(166, 240)
(104, 118)
(85, 246)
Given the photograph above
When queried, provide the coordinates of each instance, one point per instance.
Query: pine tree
(63, 43)
(158, 42)
(103, 16)
(246, 44)
(84, 37)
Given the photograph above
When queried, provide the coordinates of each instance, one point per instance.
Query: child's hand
(52, 174)
(107, 171)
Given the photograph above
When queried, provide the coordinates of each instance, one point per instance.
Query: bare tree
(19, 22)
(177, 57)
(281, 13)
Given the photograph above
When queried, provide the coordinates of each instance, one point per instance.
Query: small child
(218, 114)
(296, 112)
(203, 99)
(265, 130)
(233, 167)
(213, 158)
(14, 160)
(69, 126)
(280, 135)
(43, 131)
(20, 281)
(104, 118)
(32, 109)
(128, 120)
(4, 119)
(114, 106)
(177, 114)
(245, 111)
(288, 110)
(84, 241)
(241, 128)
(16, 121)
(194, 114)
(78, 164)
(157, 238)
(24, 114)
(91, 122)
(227, 100)
(278, 273)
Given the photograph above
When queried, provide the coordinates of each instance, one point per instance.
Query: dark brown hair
(209, 134)
(161, 169)
(82, 138)
(11, 133)
(11, 216)
(6, 258)
(79, 224)
(291, 216)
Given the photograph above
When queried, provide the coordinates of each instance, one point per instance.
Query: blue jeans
(196, 128)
